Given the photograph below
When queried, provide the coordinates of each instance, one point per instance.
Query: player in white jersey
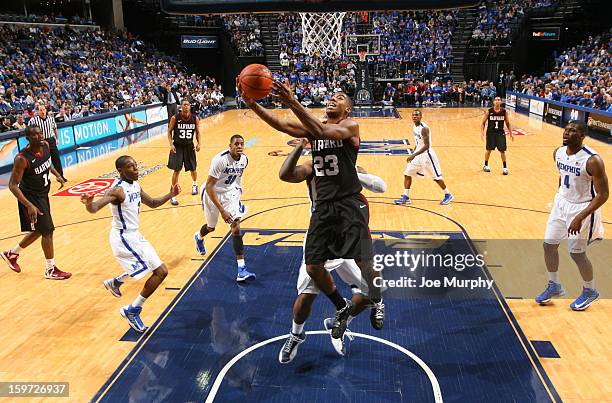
(576, 214)
(423, 161)
(347, 269)
(133, 252)
(221, 195)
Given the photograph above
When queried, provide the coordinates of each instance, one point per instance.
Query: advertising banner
(553, 114)
(600, 123)
(95, 130)
(536, 107)
(157, 114)
(202, 42)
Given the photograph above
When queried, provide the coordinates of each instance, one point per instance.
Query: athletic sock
(138, 301)
(553, 276)
(297, 328)
(240, 263)
(50, 263)
(590, 284)
(446, 191)
(337, 299)
(406, 192)
(504, 164)
(486, 163)
(17, 249)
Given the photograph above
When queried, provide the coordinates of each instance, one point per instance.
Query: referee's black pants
(55, 156)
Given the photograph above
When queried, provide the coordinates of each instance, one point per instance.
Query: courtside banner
(522, 104)
(553, 114)
(600, 123)
(570, 113)
(536, 107)
(157, 114)
(202, 42)
(95, 130)
(510, 100)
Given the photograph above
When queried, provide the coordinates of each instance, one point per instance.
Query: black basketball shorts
(44, 222)
(339, 229)
(496, 140)
(185, 155)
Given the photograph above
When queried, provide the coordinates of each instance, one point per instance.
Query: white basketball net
(321, 34)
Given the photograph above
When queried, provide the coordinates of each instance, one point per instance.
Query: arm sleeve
(372, 182)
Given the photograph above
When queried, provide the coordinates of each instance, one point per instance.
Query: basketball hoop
(321, 34)
(362, 55)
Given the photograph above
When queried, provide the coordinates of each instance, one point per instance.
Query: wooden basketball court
(70, 331)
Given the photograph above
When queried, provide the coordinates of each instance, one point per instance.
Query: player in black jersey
(181, 130)
(339, 223)
(495, 118)
(30, 183)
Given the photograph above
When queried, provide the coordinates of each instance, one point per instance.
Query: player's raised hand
(175, 190)
(87, 198)
(282, 92)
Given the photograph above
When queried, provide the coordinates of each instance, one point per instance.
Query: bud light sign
(205, 42)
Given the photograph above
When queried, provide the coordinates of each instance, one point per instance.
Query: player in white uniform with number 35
(576, 214)
(133, 252)
(221, 195)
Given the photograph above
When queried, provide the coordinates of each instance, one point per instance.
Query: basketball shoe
(290, 348)
(56, 274)
(588, 296)
(552, 290)
(11, 259)
(132, 314)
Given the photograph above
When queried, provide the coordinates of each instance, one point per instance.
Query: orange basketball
(256, 81)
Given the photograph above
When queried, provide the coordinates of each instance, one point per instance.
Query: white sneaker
(486, 168)
(194, 189)
(505, 171)
(174, 202)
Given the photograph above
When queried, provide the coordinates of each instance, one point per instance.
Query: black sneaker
(342, 315)
(377, 315)
(290, 348)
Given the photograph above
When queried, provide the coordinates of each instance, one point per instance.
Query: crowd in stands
(414, 45)
(495, 22)
(582, 76)
(245, 33)
(81, 73)
(438, 93)
(47, 19)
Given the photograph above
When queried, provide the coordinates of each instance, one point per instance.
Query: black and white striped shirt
(47, 125)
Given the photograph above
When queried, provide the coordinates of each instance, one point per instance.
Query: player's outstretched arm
(290, 171)
(596, 168)
(315, 128)
(371, 182)
(292, 128)
(114, 196)
(158, 201)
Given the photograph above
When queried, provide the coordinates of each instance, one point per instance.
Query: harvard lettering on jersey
(496, 121)
(36, 178)
(184, 129)
(576, 182)
(334, 162)
(228, 171)
(126, 215)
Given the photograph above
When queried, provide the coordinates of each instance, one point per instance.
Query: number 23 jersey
(228, 171)
(576, 183)
(333, 162)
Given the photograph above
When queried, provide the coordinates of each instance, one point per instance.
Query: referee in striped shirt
(49, 129)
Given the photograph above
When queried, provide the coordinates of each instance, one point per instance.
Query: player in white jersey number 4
(133, 252)
(221, 195)
(423, 161)
(576, 214)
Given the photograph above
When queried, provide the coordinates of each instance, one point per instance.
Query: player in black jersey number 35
(339, 223)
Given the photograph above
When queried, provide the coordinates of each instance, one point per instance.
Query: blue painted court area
(468, 339)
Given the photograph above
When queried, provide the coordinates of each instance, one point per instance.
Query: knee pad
(238, 245)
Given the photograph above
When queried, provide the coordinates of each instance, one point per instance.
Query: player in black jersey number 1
(339, 223)
(495, 118)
